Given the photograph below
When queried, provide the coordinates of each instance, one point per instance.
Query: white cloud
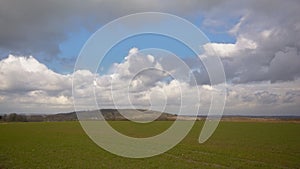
(40, 90)
(133, 51)
(207, 87)
(26, 83)
(26, 73)
(225, 50)
(220, 49)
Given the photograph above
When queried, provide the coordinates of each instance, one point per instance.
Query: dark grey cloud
(265, 97)
(291, 96)
(247, 98)
(34, 26)
(274, 28)
(285, 65)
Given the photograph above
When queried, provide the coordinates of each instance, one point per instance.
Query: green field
(233, 145)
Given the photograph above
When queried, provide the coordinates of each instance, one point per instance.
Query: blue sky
(71, 47)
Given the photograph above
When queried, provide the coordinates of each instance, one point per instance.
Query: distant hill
(53, 117)
(107, 114)
(135, 114)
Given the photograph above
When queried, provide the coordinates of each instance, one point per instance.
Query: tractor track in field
(195, 161)
(241, 159)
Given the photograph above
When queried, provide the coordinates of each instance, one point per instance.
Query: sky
(257, 41)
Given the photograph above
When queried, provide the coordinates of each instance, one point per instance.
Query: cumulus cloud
(224, 50)
(29, 86)
(22, 74)
(145, 80)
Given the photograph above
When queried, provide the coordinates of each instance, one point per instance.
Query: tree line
(13, 117)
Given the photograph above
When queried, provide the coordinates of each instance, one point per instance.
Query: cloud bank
(29, 86)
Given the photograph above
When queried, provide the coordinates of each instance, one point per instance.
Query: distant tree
(4, 117)
(21, 118)
(12, 117)
(15, 117)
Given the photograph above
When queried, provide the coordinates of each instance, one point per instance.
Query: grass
(233, 145)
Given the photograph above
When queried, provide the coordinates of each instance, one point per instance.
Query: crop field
(233, 145)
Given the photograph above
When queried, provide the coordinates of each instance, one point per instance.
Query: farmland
(233, 145)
